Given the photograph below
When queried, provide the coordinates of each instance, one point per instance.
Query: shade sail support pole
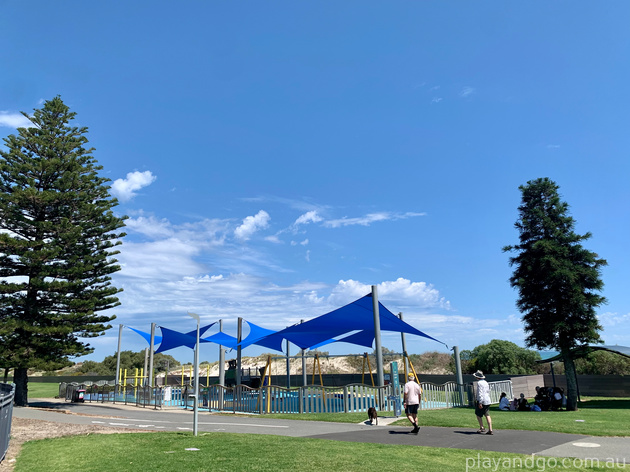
(377, 338)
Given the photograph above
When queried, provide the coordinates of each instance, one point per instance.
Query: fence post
(346, 407)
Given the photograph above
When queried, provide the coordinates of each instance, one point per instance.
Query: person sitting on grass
(523, 405)
(504, 403)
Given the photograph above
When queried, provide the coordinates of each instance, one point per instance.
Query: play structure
(359, 323)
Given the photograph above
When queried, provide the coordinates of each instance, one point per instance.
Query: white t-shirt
(412, 393)
(483, 392)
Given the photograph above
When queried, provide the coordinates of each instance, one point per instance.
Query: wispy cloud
(14, 120)
(553, 146)
(308, 217)
(467, 92)
(127, 188)
(436, 100)
(251, 224)
(369, 219)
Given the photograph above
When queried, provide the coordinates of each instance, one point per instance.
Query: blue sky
(276, 159)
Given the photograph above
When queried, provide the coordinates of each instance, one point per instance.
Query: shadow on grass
(608, 404)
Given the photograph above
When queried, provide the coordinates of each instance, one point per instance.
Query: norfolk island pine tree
(57, 242)
(556, 278)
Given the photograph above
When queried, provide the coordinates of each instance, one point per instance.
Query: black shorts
(411, 409)
(483, 411)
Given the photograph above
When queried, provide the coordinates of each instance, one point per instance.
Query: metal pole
(404, 348)
(239, 338)
(196, 375)
(377, 338)
(304, 379)
(146, 361)
(221, 359)
(458, 372)
(120, 330)
(152, 344)
(288, 367)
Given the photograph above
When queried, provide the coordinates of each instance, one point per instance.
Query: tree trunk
(6, 374)
(572, 387)
(20, 378)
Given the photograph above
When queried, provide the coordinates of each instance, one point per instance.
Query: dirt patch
(23, 430)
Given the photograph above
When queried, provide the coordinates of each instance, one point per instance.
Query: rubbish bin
(79, 396)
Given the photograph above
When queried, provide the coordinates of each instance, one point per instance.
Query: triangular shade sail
(172, 339)
(262, 337)
(222, 339)
(147, 336)
(356, 316)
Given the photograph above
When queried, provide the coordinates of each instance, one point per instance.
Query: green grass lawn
(43, 390)
(249, 452)
(601, 417)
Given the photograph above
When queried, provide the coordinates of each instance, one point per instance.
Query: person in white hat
(483, 403)
(411, 402)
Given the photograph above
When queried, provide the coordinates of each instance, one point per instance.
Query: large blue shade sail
(172, 339)
(356, 316)
(147, 336)
(222, 339)
(262, 337)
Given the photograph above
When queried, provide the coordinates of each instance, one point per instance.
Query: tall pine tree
(57, 240)
(556, 278)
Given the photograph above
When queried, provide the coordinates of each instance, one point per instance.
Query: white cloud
(553, 146)
(125, 189)
(370, 218)
(466, 92)
(308, 217)
(14, 120)
(436, 100)
(401, 291)
(251, 224)
(274, 239)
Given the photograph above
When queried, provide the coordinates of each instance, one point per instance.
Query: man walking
(411, 402)
(483, 402)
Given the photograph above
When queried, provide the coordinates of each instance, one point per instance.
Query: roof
(583, 351)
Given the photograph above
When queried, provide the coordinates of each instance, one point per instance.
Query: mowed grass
(597, 416)
(249, 452)
(43, 390)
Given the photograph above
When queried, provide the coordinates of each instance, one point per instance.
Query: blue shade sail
(147, 336)
(356, 316)
(262, 337)
(172, 339)
(222, 339)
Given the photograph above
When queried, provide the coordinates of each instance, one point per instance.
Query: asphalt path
(560, 445)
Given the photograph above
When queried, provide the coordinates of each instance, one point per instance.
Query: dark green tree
(505, 357)
(57, 240)
(557, 279)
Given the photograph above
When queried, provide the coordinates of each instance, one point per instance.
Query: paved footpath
(523, 442)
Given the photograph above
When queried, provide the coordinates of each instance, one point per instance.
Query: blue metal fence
(7, 393)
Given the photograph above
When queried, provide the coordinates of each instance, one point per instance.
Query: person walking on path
(483, 403)
(411, 402)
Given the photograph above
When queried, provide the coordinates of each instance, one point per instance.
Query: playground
(447, 438)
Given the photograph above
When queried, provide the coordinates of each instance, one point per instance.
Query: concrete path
(558, 445)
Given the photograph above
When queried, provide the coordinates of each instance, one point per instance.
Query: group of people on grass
(547, 398)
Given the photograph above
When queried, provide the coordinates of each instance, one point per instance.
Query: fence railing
(7, 393)
(497, 387)
(276, 399)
